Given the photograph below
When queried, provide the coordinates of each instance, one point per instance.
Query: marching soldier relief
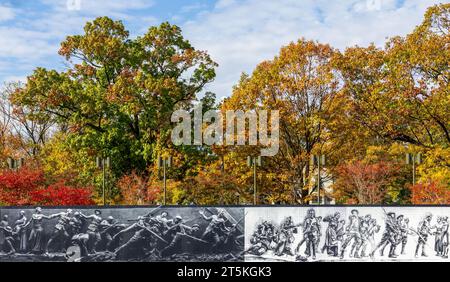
(296, 234)
(346, 234)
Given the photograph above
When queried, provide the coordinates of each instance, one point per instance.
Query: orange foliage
(364, 183)
(133, 188)
(431, 193)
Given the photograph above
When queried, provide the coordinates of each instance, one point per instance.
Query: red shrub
(16, 186)
(61, 195)
(28, 186)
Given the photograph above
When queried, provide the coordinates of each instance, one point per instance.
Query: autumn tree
(364, 108)
(118, 93)
(23, 130)
(301, 84)
(400, 93)
(212, 186)
(432, 193)
(360, 182)
(133, 188)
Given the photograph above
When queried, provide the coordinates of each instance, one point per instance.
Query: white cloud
(237, 34)
(192, 7)
(16, 78)
(224, 3)
(104, 7)
(33, 40)
(241, 34)
(6, 13)
(21, 43)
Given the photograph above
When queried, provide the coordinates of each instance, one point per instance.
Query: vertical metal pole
(104, 196)
(164, 173)
(318, 180)
(414, 168)
(254, 181)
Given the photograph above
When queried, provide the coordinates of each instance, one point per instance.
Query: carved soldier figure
(92, 230)
(108, 228)
(312, 233)
(405, 231)
(60, 233)
(444, 237)
(262, 239)
(369, 236)
(441, 236)
(75, 224)
(162, 222)
(184, 232)
(286, 237)
(145, 236)
(397, 236)
(214, 229)
(331, 235)
(390, 234)
(353, 233)
(8, 236)
(423, 230)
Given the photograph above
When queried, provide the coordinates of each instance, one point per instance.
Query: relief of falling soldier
(263, 239)
(108, 228)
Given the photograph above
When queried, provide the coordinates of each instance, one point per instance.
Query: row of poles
(319, 161)
(164, 163)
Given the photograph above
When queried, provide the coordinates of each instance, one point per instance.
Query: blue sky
(238, 34)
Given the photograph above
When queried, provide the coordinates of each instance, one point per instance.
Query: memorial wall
(228, 234)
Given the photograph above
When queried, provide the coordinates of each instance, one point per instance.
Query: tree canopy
(363, 108)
